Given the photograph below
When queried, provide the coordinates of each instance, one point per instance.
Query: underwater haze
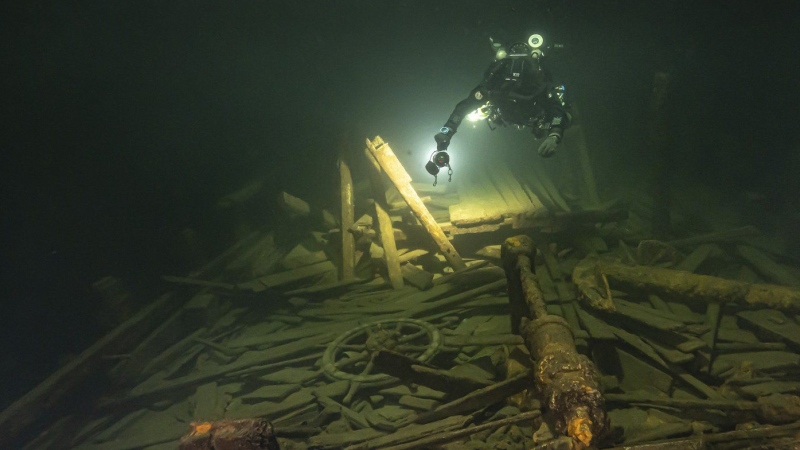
(125, 122)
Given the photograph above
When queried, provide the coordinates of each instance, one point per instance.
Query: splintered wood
(402, 181)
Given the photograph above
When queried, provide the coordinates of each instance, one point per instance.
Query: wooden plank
(734, 235)
(773, 323)
(697, 257)
(402, 181)
(276, 357)
(289, 276)
(509, 189)
(766, 266)
(347, 270)
(479, 398)
(544, 180)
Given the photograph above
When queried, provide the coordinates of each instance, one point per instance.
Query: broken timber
(402, 181)
(347, 270)
(384, 222)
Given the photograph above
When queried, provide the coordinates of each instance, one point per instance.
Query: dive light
(439, 159)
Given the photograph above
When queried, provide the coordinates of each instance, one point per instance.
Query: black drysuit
(521, 93)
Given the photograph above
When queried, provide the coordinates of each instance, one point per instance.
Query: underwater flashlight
(439, 159)
(535, 41)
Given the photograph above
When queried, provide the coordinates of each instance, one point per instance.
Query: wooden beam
(402, 181)
(384, 222)
(576, 132)
(347, 270)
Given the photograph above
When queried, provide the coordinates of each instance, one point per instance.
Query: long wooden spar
(402, 181)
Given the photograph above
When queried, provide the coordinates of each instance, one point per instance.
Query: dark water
(125, 121)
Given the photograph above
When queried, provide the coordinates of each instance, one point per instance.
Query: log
(384, 222)
(402, 181)
(347, 270)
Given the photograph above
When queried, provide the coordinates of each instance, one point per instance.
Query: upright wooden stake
(347, 271)
(583, 155)
(384, 222)
(402, 181)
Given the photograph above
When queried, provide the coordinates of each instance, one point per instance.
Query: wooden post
(347, 271)
(576, 131)
(384, 222)
(402, 181)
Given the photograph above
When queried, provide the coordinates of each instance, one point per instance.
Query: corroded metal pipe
(567, 381)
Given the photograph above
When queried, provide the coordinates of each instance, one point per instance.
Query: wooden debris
(402, 181)
(347, 269)
(290, 276)
(204, 364)
(412, 432)
(773, 324)
(197, 282)
(414, 371)
(293, 205)
(478, 399)
(768, 268)
(733, 235)
(442, 438)
(384, 222)
(300, 256)
(420, 279)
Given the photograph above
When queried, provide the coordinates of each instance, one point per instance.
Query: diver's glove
(443, 138)
(548, 147)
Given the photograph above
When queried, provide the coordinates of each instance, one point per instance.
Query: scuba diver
(515, 90)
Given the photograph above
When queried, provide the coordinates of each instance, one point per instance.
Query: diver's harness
(493, 114)
(490, 112)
